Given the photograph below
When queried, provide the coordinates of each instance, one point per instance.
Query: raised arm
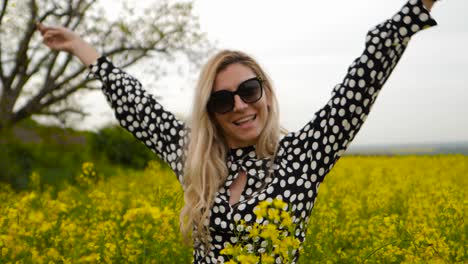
(135, 109)
(63, 39)
(333, 127)
(142, 115)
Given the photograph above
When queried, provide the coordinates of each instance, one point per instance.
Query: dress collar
(235, 154)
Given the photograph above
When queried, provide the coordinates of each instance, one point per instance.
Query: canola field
(401, 209)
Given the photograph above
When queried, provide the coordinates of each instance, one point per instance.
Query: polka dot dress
(304, 157)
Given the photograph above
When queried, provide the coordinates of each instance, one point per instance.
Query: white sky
(307, 46)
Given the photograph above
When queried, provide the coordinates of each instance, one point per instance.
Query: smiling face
(241, 126)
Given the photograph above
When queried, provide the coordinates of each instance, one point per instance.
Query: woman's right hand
(58, 38)
(63, 39)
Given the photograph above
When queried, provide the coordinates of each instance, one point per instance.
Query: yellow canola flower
(274, 215)
(279, 204)
(4, 251)
(270, 237)
(267, 259)
(248, 259)
(371, 210)
(53, 254)
(36, 216)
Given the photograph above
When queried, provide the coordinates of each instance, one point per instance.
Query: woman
(235, 157)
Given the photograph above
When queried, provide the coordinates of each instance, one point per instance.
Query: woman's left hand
(428, 4)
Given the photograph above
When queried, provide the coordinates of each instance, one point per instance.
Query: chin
(247, 140)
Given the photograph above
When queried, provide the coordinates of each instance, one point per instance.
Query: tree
(37, 81)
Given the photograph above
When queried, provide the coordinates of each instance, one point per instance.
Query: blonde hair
(205, 167)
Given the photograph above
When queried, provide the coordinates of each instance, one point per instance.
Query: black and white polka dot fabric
(304, 157)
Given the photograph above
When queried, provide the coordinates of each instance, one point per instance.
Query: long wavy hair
(205, 166)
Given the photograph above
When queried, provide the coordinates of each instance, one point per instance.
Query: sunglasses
(250, 91)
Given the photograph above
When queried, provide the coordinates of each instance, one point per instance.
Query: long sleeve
(319, 144)
(141, 114)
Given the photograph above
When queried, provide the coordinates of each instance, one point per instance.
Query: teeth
(243, 120)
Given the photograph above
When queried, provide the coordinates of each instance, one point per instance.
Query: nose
(239, 104)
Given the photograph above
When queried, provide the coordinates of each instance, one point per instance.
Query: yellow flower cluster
(269, 238)
(88, 175)
(369, 210)
(129, 218)
(401, 209)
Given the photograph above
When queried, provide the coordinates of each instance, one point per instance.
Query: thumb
(43, 28)
(40, 27)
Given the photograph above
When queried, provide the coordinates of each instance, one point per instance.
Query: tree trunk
(7, 102)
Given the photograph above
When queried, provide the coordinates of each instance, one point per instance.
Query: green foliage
(121, 147)
(53, 152)
(57, 153)
(16, 163)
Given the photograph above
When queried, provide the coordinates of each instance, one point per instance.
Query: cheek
(263, 108)
(220, 121)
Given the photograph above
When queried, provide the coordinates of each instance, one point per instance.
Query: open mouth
(245, 120)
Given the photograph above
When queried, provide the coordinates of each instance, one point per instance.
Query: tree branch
(135, 59)
(21, 61)
(72, 76)
(2, 76)
(38, 66)
(54, 99)
(46, 14)
(63, 67)
(82, 14)
(3, 11)
(91, 88)
(50, 67)
(62, 111)
(33, 105)
(144, 49)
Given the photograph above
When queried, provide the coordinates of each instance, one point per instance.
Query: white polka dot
(403, 31)
(364, 58)
(237, 217)
(300, 197)
(248, 217)
(321, 171)
(270, 190)
(313, 178)
(423, 17)
(261, 197)
(299, 182)
(293, 198)
(283, 183)
(314, 165)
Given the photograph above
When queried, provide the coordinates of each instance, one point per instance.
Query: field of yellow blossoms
(401, 209)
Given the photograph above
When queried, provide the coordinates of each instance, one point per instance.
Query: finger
(50, 36)
(53, 32)
(43, 29)
(48, 39)
(40, 27)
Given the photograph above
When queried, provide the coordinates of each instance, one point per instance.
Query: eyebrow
(237, 87)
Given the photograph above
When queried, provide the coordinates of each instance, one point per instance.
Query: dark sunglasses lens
(221, 102)
(250, 91)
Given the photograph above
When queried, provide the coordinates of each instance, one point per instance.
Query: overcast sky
(307, 46)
